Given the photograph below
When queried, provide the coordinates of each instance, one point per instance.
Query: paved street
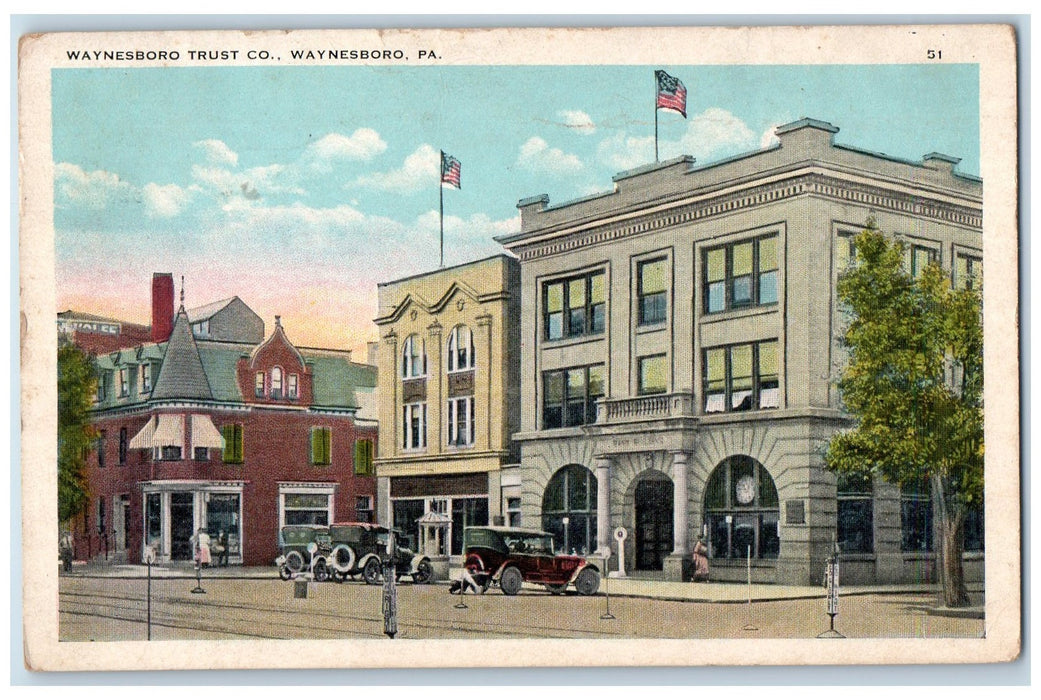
(109, 608)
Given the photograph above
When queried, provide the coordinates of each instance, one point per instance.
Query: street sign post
(390, 589)
(620, 534)
(831, 581)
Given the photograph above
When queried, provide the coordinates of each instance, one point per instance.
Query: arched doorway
(569, 509)
(742, 510)
(653, 523)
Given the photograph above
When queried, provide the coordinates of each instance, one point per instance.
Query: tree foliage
(76, 386)
(914, 387)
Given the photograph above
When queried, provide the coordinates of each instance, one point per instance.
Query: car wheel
(295, 561)
(556, 588)
(371, 572)
(342, 558)
(284, 573)
(588, 581)
(424, 572)
(321, 571)
(511, 580)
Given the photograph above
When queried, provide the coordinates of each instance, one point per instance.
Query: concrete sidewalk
(630, 587)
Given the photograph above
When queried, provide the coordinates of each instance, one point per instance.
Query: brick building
(236, 434)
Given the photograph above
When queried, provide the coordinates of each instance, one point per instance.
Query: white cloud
(419, 170)
(769, 138)
(164, 201)
(620, 152)
(577, 120)
(94, 190)
(217, 152)
(537, 156)
(713, 134)
(363, 144)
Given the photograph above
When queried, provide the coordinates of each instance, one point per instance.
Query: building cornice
(831, 183)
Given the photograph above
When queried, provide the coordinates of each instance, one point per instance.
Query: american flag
(671, 93)
(450, 171)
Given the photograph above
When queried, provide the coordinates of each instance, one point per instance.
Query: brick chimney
(162, 306)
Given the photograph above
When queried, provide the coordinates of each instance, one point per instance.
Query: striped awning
(205, 433)
(170, 431)
(143, 439)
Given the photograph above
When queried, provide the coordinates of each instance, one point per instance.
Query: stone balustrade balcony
(643, 408)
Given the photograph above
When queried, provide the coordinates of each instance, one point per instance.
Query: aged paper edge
(992, 47)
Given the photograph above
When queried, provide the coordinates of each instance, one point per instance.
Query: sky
(298, 189)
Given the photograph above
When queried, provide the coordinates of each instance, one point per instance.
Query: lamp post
(149, 558)
(567, 521)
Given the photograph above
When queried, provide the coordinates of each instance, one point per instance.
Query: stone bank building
(679, 348)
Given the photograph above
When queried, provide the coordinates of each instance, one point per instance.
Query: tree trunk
(949, 544)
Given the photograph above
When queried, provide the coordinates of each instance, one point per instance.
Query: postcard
(519, 347)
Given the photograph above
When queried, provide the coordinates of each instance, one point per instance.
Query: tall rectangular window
(233, 443)
(461, 428)
(321, 446)
(855, 515)
(968, 272)
(653, 374)
(124, 382)
(363, 509)
(258, 385)
(123, 442)
(102, 377)
(364, 453)
(569, 396)
(741, 377)
(652, 291)
(919, 257)
(292, 386)
(741, 274)
(146, 377)
(414, 424)
(574, 306)
(100, 444)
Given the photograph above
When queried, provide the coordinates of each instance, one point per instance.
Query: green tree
(914, 388)
(76, 386)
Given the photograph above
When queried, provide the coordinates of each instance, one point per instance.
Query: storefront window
(466, 512)
(154, 522)
(222, 516)
(743, 511)
(306, 508)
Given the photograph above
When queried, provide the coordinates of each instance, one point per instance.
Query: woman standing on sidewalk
(700, 560)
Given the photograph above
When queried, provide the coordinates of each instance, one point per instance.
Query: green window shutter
(327, 446)
(315, 445)
(228, 433)
(363, 457)
(321, 446)
(240, 440)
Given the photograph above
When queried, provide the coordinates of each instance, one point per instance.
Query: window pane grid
(741, 274)
(574, 306)
(741, 377)
(569, 396)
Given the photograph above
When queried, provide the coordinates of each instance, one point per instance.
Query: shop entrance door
(653, 524)
(182, 524)
(121, 522)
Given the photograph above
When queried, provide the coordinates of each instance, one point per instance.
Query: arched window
(460, 349)
(571, 494)
(276, 382)
(413, 357)
(742, 510)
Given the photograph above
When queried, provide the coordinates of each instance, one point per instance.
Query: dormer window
(276, 382)
(201, 329)
(146, 377)
(124, 381)
(292, 386)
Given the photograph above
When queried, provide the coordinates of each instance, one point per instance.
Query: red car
(509, 556)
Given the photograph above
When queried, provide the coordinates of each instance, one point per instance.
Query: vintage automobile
(305, 548)
(360, 548)
(509, 556)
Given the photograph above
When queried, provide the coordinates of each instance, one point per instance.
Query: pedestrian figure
(221, 548)
(700, 560)
(202, 548)
(466, 580)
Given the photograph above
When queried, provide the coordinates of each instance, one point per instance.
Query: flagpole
(655, 117)
(441, 192)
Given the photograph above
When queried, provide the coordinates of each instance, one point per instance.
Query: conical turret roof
(182, 375)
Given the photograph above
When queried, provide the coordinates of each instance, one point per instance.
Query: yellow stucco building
(448, 397)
